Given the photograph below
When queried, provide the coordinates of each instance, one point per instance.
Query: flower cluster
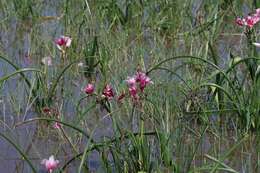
(137, 83)
(50, 164)
(107, 92)
(249, 20)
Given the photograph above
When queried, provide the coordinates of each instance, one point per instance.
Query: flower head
(89, 89)
(50, 164)
(240, 22)
(139, 76)
(131, 81)
(250, 21)
(57, 125)
(257, 12)
(63, 41)
(143, 80)
(133, 91)
(108, 92)
(137, 84)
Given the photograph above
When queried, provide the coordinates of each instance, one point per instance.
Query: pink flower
(257, 12)
(89, 89)
(108, 92)
(133, 91)
(131, 81)
(63, 41)
(50, 164)
(256, 19)
(143, 79)
(139, 76)
(144, 82)
(57, 125)
(250, 21)
(137, 83)
(240, 21)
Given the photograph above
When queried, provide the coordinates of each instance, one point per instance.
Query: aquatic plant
(129, 86)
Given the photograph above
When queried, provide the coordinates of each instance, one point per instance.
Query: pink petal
(131, 81)
(89, 89)
(240, 22)
(57, 125)
(43, 161)
(108, 92)
(257, 12)
(68, 41)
